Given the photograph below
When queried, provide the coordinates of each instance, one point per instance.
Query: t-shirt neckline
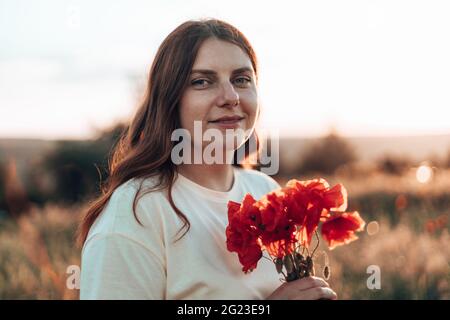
(222, 196)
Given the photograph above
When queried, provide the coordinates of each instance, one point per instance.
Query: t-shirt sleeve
(260, 182)
(272, 183)
(121, 258)
(267, 182)
(117, 267)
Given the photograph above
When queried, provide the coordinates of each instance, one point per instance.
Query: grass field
(407, 238)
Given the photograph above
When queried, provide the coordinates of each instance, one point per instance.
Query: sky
(363, 68)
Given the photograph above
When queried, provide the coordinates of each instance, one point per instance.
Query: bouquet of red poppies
(284, 222)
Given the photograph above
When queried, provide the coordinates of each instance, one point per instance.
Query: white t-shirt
(123, 260)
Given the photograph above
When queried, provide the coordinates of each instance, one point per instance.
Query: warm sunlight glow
(372, 228)
(424, 173)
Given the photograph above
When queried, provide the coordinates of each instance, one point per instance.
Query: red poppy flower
(313, 199)
(281, 240)
(278, 227)
(247, 214)
(335, 198)
(249, 257)
(340, 228)
(245, 244)
(250, 214)
(296, 205)
(242, 232)
(287, 218)
(272, 208)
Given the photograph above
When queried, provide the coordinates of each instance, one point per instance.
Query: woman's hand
(310, 288)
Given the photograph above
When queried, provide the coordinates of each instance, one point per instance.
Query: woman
(158, 230)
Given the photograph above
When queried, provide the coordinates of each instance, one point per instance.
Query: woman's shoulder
(134, 186)
(126, 204)
(142, 189)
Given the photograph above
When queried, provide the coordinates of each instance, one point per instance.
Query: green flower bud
(279, 264)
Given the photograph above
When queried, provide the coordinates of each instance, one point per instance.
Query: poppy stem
(293, 274)
(317, 245)
(307, 250)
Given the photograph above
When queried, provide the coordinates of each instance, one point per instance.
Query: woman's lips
(227, 124)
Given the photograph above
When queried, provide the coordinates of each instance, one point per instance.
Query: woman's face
(222, 84)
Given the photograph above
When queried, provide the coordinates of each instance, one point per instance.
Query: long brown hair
(145, 146)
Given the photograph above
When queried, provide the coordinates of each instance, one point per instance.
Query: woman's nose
(229, 96)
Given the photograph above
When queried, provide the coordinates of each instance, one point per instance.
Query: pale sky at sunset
(362, 67)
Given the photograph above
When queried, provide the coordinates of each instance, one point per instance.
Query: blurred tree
(327, 155)
(15, 194)
(393, 165)
(76, 167)
(2, 187)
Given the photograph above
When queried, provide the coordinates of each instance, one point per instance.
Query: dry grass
(413, 265)
(35, 253)
(414, 260)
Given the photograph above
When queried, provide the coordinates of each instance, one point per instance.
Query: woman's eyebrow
(242, 70)
(204, 71)
(212, 72)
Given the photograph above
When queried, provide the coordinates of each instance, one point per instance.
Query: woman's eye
(242, 81)
(200, 83)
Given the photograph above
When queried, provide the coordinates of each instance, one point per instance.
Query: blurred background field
(406, 204)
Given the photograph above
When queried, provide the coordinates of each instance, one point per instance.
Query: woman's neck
(218, 177)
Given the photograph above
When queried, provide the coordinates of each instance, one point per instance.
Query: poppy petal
(340, 229)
